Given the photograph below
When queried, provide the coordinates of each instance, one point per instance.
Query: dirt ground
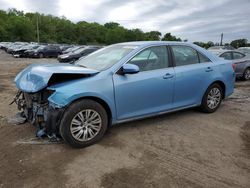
(183, 149)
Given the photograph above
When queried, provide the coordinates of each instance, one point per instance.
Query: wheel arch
(103, 103)
(222, 85)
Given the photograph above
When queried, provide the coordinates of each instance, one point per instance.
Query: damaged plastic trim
(36, 108)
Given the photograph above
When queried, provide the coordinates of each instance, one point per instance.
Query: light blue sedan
(120, 83)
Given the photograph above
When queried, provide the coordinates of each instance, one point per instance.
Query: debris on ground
(38, 141)
(17, 119)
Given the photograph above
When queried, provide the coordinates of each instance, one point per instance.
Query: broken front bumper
(38, 111)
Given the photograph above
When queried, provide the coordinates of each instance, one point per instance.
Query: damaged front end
(36, 109)
(33, 96)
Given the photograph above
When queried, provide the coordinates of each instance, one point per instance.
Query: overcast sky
(195, 20)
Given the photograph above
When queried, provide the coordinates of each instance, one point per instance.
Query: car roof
(144, 43)
(244, 48)
(219, 52)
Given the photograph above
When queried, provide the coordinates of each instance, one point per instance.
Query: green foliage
(204, 44)
(239, 43)
(153, 35)
(19, 26)
(169, 37)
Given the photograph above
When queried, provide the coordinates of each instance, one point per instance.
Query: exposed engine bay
(36, 109)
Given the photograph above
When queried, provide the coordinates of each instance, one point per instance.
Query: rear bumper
(238, 74)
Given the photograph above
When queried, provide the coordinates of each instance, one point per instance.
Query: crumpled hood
(36, 77)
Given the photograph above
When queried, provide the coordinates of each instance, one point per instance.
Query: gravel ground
(183, 149)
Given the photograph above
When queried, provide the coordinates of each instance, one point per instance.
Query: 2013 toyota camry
(119, 83)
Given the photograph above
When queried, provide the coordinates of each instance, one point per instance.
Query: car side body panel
(149, 92)
(191, 82)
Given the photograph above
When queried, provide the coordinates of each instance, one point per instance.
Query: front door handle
(209, 69)
(168, 75)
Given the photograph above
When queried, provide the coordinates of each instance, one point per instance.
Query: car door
(148, 91)
(53, 51)
(193, 74)
(45, 51)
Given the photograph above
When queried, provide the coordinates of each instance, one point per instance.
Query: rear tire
(84, 123)
(212, 99)
(246, 74)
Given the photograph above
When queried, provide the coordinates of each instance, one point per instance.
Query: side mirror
(130, 69)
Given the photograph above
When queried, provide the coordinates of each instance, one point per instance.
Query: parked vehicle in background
(215, 49)
(245, 50)
(75, 55)
(240, 60)
(45, 51)
(20, 52)
(65, 47)
(120, 83)
(71, 49)
(4, 45)
(14, 47)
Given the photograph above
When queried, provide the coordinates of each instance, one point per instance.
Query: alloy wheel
(214, 98)
(86, 125)
(247, 74)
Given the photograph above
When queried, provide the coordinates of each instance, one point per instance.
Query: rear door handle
(209, 69)
(168, 75)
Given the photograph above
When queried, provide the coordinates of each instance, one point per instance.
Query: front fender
(61, 100)
(66, 93)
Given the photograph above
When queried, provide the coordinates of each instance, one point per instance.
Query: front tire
(212, 99)
(84, 123)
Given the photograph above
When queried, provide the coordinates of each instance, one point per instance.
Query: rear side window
(185, 55)
(203, 58)
(237, 55)
(151, 58)
(227, 56)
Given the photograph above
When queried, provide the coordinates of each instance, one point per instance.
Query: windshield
(78, 50)
(40, 47)
(72, 49)
(106, 57)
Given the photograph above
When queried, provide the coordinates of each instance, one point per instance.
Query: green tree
(204, 44)
(169, 37)
(111, 25)
(20, 29)
(239, 43)
(153, 35)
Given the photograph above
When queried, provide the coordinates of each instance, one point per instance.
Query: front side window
(185, 55)
(151, 58)
(237, 55)
(226, 55)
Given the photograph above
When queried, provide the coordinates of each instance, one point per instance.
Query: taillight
(234, 66)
